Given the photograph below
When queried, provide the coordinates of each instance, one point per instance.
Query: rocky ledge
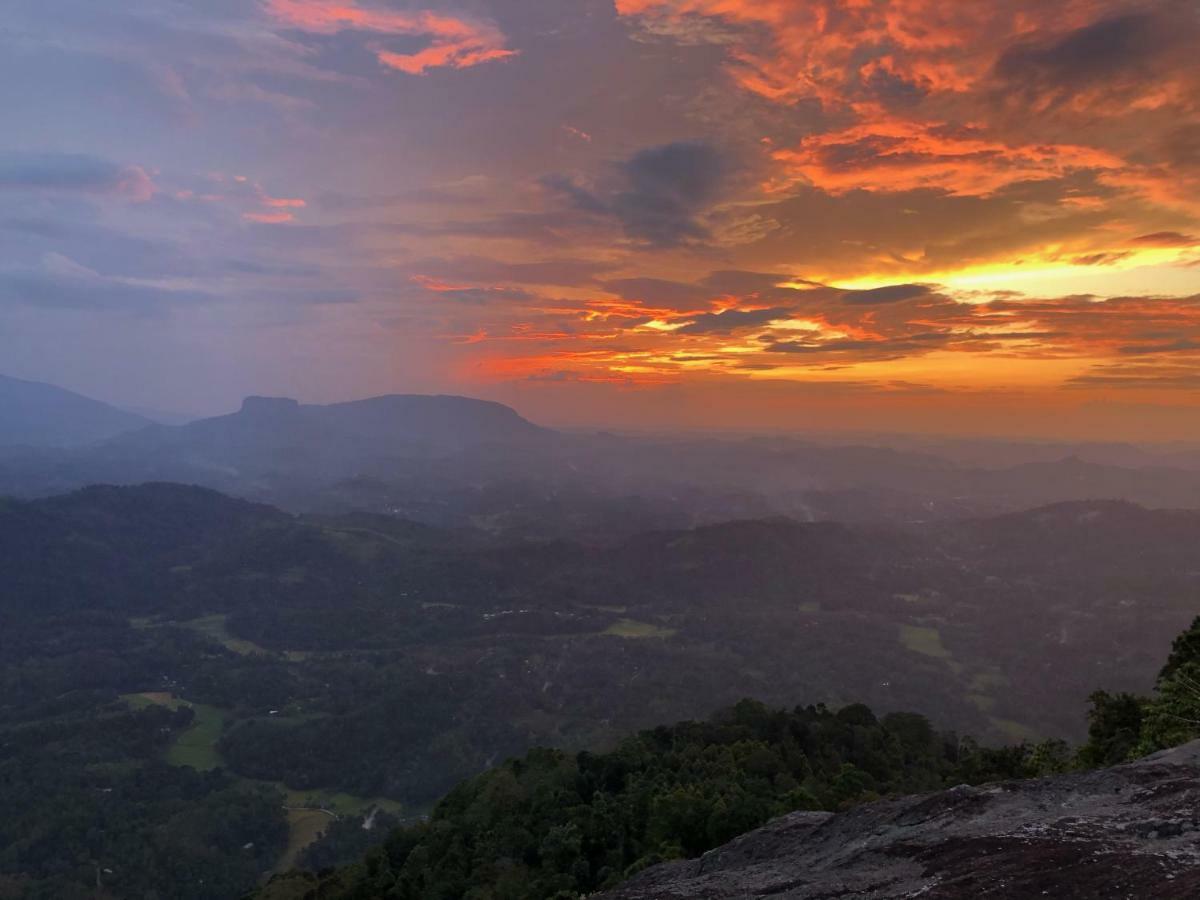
(1128, 832)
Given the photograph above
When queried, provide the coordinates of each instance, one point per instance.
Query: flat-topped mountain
(391, 424)
(34, 414)
(1128, 831)
(390, 420)
(277, 448)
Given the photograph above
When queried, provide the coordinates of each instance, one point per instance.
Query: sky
(892, 215)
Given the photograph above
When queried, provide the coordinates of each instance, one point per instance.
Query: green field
(989, 680)
(304, 827)
(197, 745)
(1015, 731)
(342, 804)
(152, 698)
(308, 812)
(926, 641)
(215, 628)
(631, 628)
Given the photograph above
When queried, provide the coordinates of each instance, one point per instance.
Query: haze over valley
(632, 449)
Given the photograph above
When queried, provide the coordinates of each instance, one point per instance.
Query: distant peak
(269, 405)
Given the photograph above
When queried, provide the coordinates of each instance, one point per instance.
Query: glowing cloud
(896, 155)
(966, 97)
(455, 43)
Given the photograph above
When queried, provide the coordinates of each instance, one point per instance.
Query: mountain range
(459, 462)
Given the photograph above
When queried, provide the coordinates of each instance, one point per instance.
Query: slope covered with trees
(551, 825)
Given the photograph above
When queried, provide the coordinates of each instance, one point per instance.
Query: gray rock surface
(1128, 832)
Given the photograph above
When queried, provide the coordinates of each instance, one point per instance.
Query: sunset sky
(970, 216)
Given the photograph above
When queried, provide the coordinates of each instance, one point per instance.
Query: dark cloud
(669, 187)
(659, 292)
(62, 284)
(665, 192)
(1105, 258)
(755, 287)
(1183, 345)
(578, 196)
(103, 248)
(554, 228)
(354, 203)
(732, 281)
(1167, 239)
(70, 172)
(568, 272)
(1137, 376)
(309, 296)
(732, 319)
(1181, 146)
(112, 252)
(481, 295)
(891, 89)
(1101, 52)
(921, 342)
(893, 293)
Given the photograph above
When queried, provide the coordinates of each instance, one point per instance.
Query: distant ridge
(34, 414)
(378, 424)
(274, 444)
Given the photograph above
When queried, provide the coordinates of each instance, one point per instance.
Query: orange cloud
(967, 96)
(282, 202)
(455, 43)
(871, 337)
(1168, 239)
(941, 139)
(269, 218)
(897, 155)
(854, 52)
(577, 133)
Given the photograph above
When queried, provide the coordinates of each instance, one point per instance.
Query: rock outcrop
(1128, 832)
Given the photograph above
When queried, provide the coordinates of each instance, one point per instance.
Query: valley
(357, 663)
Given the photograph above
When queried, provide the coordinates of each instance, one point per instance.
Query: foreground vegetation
(1124, 726)
(553, 825)
(91, 809)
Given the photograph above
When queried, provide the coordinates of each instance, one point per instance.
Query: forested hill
(553, 826)
(557, 825)
(116, 547)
